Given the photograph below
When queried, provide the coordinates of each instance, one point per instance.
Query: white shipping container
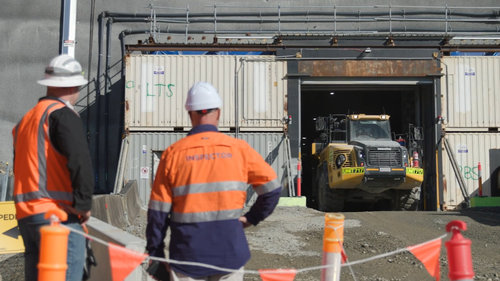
(156, 89)
(145, 149)
(469, 150)
(470, 90)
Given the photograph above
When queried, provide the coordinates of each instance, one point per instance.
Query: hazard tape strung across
(255, 271)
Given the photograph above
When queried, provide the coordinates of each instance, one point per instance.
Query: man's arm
(265, 183)
(160, 205)
(68, 137)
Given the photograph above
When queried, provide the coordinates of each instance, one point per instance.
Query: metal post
(279, 19)
(335, 18)
(300, 138)
(390, 19)
(187, 24)
(68, 28)
(299, 178)
(215, 20)
(480, 179)
(236, 99)
(446, 19)
(5, 184)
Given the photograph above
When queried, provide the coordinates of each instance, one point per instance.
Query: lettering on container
(156, 89)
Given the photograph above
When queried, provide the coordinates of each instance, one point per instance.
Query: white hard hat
(202, 95)
(63, 71)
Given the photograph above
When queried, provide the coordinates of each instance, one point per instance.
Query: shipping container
(145, 149)
(156, 88)
(470, 149)
(470, 90)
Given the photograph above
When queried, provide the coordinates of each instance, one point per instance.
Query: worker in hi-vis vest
(200, 191)
(52, 166)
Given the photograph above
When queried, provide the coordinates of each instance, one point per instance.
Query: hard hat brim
(63, 82)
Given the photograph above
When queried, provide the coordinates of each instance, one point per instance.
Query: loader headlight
(405, 158)
(340, 160)
(359, 152)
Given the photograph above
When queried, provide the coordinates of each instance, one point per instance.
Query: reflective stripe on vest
(160, 206)
(56, 195)
(268, 187)
(206, 216)
(209, 187)
(42, 166)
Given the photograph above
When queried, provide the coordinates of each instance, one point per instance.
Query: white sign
(159, 70)
(462, 148)
(144, 172)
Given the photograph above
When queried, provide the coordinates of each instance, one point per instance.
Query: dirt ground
(292, 237)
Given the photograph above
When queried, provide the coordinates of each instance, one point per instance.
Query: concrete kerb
(112, 234)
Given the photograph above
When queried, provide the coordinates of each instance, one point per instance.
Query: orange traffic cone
(53, 248)
(333, 238)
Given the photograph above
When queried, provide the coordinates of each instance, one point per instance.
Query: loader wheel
(329, 200)
(407, 200)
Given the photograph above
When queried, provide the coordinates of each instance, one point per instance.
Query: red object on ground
(459, 253)
(299, 188)
(277, 274)
(480, 179)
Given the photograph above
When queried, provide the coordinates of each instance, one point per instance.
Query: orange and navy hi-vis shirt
(42, 181)
(200, 191)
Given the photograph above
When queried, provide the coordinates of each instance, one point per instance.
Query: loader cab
(367, 128)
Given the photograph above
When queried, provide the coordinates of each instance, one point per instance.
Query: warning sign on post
(144, 172)
(10, 237)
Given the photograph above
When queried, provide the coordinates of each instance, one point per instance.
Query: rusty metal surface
(369, 68)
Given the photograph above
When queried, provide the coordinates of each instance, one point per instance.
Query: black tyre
(407, 200)
(329, 200)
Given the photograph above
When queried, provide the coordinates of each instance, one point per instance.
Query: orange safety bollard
(480, 179)
(459, 253)
(333, 239)
(53, 248)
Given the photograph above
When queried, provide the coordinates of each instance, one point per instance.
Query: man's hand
(83, 215)
(244, 222)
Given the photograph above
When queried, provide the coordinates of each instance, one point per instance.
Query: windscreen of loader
(370, 130)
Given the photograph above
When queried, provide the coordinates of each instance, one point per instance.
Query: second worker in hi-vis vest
(52, 166)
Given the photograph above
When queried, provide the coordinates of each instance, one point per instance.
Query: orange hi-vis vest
(42, 180)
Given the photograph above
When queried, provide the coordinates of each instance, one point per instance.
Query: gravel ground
(292, 237)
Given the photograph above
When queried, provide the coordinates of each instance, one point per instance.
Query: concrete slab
(131, 201)
(119, 210)
(300, 201)
(116, 211)
(117, 236)
(485, 201)
(99, 208)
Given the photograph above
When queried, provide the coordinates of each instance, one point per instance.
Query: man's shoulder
(214, 138)
(65, 112)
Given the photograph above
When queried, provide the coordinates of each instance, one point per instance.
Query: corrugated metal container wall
(473, 89)
(469, 149)
(262, 92)
(157, 86)
(145, 150)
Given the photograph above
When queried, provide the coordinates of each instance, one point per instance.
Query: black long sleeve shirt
(68, 137)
